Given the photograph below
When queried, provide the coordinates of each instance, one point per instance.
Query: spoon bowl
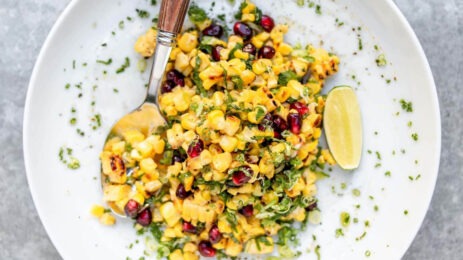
(147, 118)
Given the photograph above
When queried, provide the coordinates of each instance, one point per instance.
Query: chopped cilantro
(196, 14)
(285, 77)
(124, 66)
(107, 62)
(142, 13)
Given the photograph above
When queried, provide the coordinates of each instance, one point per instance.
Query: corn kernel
(228, 143)
(187, 42)
(97, 211)
(107, 219)
(170, 213)
(221, 162)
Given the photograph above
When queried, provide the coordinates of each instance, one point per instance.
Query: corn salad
(237, 164)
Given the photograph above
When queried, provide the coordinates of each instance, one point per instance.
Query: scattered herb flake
(381, 60)
(124, 66)
(142, 13)
(107, 62)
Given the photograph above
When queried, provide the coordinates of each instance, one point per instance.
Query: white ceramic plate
(63, 197)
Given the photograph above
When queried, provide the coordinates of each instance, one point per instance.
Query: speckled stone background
(24, 24)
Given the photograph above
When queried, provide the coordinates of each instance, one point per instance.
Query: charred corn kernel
(203, 24)
(107, 219)
(263, 248)
(146, 44)
(188, 41)
(173, 54)
(248, 17)
(221, 244)
(241, 55)
(328, 157)
(170, 214)
(232, 125)
(269, 197)
(175, 136)
(232, 248)
(190, 256)
(189, 182)
(218, 98)
(148, 165)
(174, 170)
(247, 76)
(266, 165)
(257, 114)
(133, 136)
(145, 148)
(260, 39)
(260, 66)
(153, 186)
(118, 147)
(278, 148)
(233, 40)
(190, 247)
(249, 7)
(182, 62)
(97, 211)
(116, 192)
(216, 119)
(223, 225)
(206, 157)
(224, 54)
(221, 162)
(238, 201)
(228, 143)
(189, 121)
(204, 61)
(157, 143)
(176, 255)
(285, 49)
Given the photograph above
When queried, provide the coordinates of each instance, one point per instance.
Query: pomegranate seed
(144, 218)
(266, 122)
(195, 148)
(131, 208)
(189, 228)
(267, 23)
(249, 48)
(167, 87)
(240, 177)
(301, 108)
(213, 30)
(247, 211)
(312, 206)
(243, 30)
(181, 192)
(266, 52)
(216, 52)
(294, 121)
(214, 235)
(205, 249)
(177, 157)
(279, 123)
(277, 135)
(176, 77)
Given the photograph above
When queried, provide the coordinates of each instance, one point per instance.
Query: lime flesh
(343, 127)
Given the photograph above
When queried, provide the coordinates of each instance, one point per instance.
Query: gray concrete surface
(24, 24)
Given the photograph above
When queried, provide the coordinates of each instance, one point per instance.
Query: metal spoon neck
(165, 41)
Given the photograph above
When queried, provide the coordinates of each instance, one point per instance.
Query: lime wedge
(343, 127)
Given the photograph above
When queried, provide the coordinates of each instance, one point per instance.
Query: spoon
(147, 117)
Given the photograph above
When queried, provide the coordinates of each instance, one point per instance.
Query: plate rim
(394, 10)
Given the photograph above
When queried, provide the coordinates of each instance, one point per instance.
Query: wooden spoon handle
(172, 15)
